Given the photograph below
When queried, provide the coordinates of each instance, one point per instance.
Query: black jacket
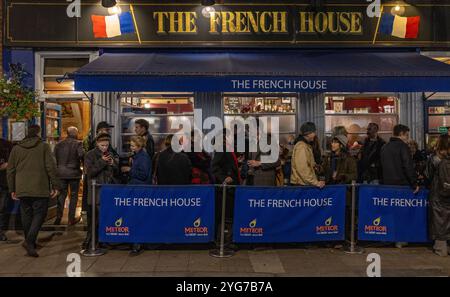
(98, 169)
(69, 154)
(149, 145)
(370, 160)
(173, 168)
(224, 165)
(397, 164)
(5, 150)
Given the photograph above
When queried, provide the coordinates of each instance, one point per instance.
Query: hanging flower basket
(16, 100)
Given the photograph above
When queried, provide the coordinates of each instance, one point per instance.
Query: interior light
(207, 11)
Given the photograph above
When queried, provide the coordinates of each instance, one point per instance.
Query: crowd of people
(31, 173)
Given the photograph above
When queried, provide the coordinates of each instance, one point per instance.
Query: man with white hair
(69, 155)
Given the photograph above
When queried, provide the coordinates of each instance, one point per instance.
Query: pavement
(187, 261)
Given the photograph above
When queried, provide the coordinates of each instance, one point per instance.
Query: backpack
(443, 176)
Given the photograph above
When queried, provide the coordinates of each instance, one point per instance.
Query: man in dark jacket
(69, 154)
(89, 144)
(141, 127)
(225, 166)
(5, 150)
(101, 166)
(173, 168)
(370, 156)
(397, 162)
(225, 170)
(32, 179)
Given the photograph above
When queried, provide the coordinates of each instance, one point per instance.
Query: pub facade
(329, 62)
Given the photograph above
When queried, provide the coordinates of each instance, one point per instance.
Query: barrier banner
(392, 213)
(289, 214)
(156, 214)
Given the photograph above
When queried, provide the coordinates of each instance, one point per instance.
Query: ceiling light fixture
(208, 2)
(109, 3)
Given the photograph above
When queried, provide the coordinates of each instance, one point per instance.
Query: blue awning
(280, 71)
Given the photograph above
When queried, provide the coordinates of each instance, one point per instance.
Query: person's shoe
(103, 245)
(57, 222)
(232, 246)
(3, 237)
(441, 253)
(85, 245)
(440, 248)
(151, 246)
(74, 221)
(136, 250)
(31, 251)
(400, 245)
(84, 219)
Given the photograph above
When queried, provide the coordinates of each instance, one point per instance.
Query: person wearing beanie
(339, 167)
(101, 166)
(303, 163)
(89, 143)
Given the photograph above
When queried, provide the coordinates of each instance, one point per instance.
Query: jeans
(4, 196)
(33, 212)
(74, 185)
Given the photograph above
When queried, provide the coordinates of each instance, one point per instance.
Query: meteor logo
(376, 228)
(196, 229)
(252, 229)
(118, 229)
(328, 227)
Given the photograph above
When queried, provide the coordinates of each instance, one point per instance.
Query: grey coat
(264, 175)
(100, 171)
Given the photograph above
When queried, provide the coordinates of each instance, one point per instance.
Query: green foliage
(16, 100)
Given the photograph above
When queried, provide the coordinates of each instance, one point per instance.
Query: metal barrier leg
(93, 251)
(353, 248)
(222, 252)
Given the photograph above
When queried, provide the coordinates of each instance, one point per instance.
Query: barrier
(352, 248)
(170, 214)
(289, 214)
(185, 214)
(222, 252)
(392, 214)
(93, 251)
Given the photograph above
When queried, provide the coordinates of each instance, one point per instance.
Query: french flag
(401, 27)
(112, 25)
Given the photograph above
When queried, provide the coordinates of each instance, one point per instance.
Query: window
(74, 107)
(55, 68)
(160, 110)
(356, 112)
(283, 107)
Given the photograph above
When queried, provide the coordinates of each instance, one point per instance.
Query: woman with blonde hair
(140, 173)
